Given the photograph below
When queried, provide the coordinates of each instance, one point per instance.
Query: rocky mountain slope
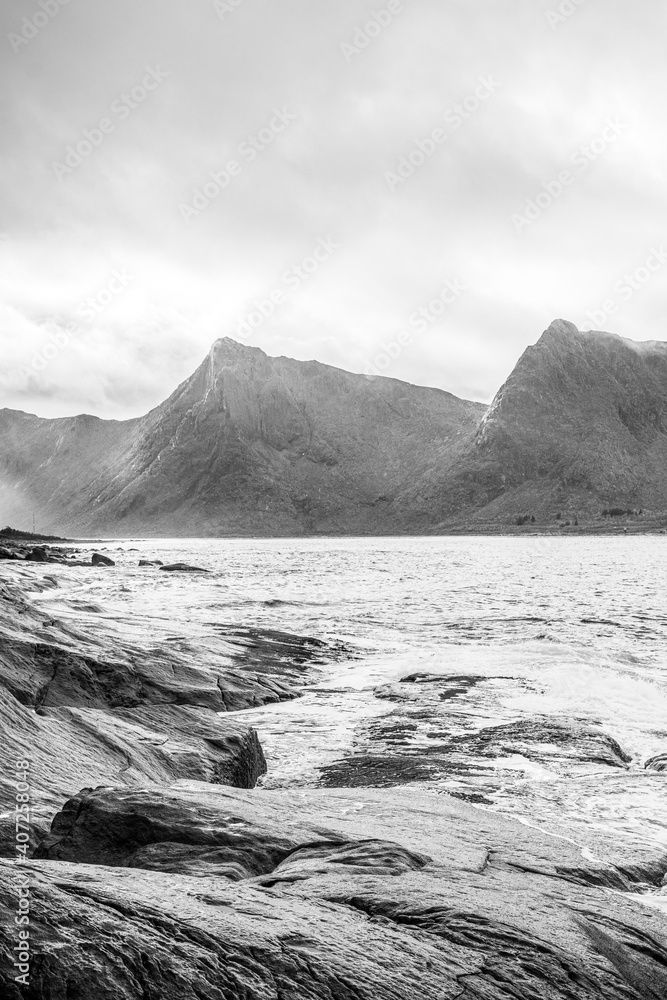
(579, 426)
(248, 444)
(271, 446)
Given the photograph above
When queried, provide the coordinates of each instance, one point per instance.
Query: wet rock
(365, 857)
(94, 708)
(71, 746)
(150, 562)
(421, 687)
(90, 664)
(544, 738)
(658, 763)
(313, 894)
(38, 554)
(417, 743)
(97, 559)
(226, 750)
(183, 568)
(379, 770)
(264, 829)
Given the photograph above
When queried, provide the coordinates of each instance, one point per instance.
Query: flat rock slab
(74, 655)
(106, 826)
(317, 893)
(90, 704)
(182, 568)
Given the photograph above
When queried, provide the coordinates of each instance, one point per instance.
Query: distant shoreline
(508, 531)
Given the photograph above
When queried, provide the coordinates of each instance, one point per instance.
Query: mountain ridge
(251, 444)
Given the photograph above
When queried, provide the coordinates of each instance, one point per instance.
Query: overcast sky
(116, 276)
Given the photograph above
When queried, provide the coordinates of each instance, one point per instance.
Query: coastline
(657, 527)
(413, 892)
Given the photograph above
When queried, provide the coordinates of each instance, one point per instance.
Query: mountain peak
(561, 329)
(226, 347)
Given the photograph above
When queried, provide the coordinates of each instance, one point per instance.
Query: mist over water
(541, 632)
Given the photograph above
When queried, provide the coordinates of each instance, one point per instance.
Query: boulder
(38, 554)
(97, 559)
(6, 553)
(150, 562)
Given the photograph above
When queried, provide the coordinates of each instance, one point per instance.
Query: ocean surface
(539, 637)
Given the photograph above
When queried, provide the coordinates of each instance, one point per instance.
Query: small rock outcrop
(182, 567)
(657, 763)
(416, 742)
(97, 559)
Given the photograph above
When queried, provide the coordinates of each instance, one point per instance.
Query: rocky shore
(158, 870)
(21, 546)
(87, 704)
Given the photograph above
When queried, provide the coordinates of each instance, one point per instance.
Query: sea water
(570, 629)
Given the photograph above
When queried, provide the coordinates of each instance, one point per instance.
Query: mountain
(579, 426)
(253, 445)
(249, 445)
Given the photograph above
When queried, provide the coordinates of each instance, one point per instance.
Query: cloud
(324, 175)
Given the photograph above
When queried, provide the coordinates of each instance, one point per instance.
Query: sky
(412, 188)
